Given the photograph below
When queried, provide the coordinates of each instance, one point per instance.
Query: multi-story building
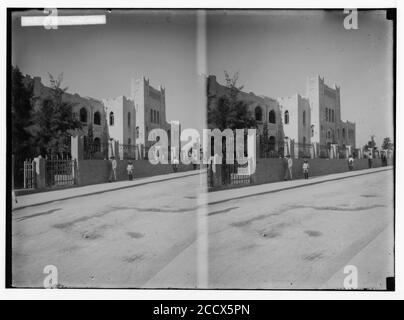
(127, 121)
(325, 105)
(89, 111)
(265, 110)
(314, 118)
(121, 122)
(296, 118)
(150, 105)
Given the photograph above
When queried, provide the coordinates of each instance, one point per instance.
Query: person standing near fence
(306, 169)
(113, 169)
(350, 162)
(287, 165)
(370, 159)
(130, 169)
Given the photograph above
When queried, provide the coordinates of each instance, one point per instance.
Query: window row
(287, 117)
(83, 115)
(258, 115)
(112, 119)
(154, 116)
(329, 115)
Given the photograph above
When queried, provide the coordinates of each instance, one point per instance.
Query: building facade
(265, 110)
(150, 105)
(127, 121)
(89, 111)
(327, 125)
(314, 118)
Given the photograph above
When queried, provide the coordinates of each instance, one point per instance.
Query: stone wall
(98, 171)
(271, 170)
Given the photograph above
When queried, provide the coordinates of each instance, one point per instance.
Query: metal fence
(323, 151)
(271, 150)
(303, 150)
(60, 172)
(131, 152)
(29, 174)
(228, 174)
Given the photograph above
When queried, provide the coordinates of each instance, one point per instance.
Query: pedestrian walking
(306, 167)
(350, 162)
(130, 169)
(112, 175)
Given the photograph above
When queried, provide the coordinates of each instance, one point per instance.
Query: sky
(273, 51)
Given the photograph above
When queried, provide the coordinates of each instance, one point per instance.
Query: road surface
(164, 235)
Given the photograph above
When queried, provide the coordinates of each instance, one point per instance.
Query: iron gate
(228, 174)
(60, 172)
(29, 174)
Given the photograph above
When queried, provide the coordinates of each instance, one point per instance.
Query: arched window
(272, 142)
(286, 117)
(129, 141)
(129, 119)
(343, 133)
(137, 132)
(97, 145)
(304, 118)
(312, 130)
(332, 116)
(158, 117)
(258, 114)
(304, 140)
(111, 118)
(151, 115)
(271, 117)
(97, 118)
(83, 115)
(326, 114)
(329, 134)
(338, 133)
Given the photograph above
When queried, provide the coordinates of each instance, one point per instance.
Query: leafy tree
(264, 141)
(53, 122)
(230, 112)
(89, 142)
(387, 144)
(21, 109)
(371, 144)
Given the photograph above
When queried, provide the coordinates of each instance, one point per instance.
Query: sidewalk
(213, 197)
(245, 192)
(40, 198)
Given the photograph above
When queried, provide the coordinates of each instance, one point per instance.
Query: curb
(209, 203)
(293, 187)
(103, 191)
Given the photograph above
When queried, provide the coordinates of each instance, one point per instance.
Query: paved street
(147, 236)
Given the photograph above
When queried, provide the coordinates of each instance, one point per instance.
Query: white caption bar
(62, 20)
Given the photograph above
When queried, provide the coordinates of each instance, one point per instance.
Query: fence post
(348, 151)
(293, 146)
(40, 172)
(333, 151)
(286, 147)
(77, 147)
(316, 149)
